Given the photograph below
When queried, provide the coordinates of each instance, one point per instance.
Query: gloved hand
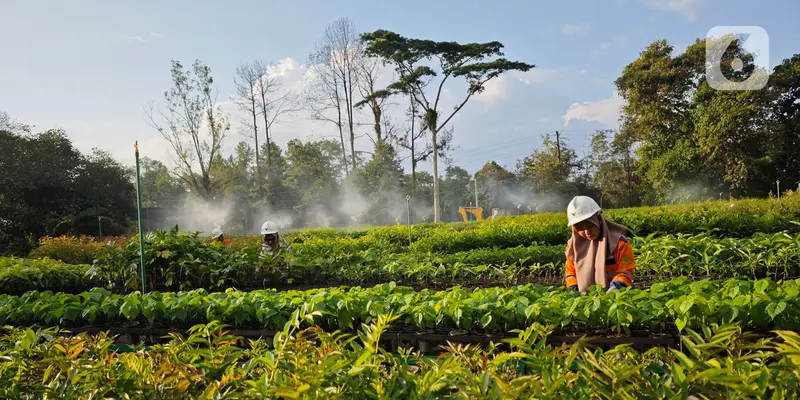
(615, 285)
(573, 290)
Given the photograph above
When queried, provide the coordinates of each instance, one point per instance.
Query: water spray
(778, 183)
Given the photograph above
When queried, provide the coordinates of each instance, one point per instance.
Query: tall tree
(279, 196)
(455, 190)
(785, 89)
(313, 171)
(9, 124)
(369, 71)
(192, 117)
(467, 61)
(337, 65)
(272, 104)
(159, 187)
(382, 177)
(612, 168)
(247, 98)
(53, 187)
(693, 140)
(494, 185)
(549, 170)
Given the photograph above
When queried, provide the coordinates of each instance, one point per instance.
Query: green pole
(408, 204)
(100, 228)
(139, 209)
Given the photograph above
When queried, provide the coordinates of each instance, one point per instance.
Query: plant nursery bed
(427, 342)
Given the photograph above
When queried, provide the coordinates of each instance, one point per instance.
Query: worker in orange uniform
(598, 252)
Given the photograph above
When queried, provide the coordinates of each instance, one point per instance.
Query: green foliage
(68, 249)
(697, 141)
(178, 260)
(51, 183)
(665, 307)
(313, 170)
(718, 362)
(754, 238)
(19, 275)
(191, 116)
(470, 61)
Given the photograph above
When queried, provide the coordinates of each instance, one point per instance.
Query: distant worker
(218, 236)
(598, 252)
(270, 237)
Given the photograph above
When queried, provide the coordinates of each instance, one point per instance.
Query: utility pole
(558, 146)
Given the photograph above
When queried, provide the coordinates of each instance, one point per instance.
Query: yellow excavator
(475, 213)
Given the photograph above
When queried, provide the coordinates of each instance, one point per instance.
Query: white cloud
(536, 76)
(615, 42)
(495, 91)
(152, 36)
(689, 8)
(606, 111)
(576, 29)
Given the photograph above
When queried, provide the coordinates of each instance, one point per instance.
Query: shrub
(177, 261)
(19, 275)
(68, 249)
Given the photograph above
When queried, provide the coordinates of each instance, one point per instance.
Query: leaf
(486, 320)
(680, 323)
(773, 309)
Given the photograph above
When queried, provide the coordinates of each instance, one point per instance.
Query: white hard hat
(269, 228)
(216, 233)
(581, 208)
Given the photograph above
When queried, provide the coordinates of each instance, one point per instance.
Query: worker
(598, 252)
(270, 237)
(218, 236)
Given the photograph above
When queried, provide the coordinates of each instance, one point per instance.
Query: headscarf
(589, 256)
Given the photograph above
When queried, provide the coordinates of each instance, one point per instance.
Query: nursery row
(191, 265)
(742, 218)
(664, 307)
(721, 219)
(717, 363)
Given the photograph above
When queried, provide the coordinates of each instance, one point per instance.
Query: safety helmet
(581, 208)
(269, 228)
(216, 233)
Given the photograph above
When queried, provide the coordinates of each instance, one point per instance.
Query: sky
(93, 67)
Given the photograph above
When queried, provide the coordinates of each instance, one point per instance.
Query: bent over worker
(598, 252)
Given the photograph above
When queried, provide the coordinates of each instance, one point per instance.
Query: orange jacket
(621, 267)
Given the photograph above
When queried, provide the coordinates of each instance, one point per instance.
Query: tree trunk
(413, 173)
(269, 158)
(348, 94)
(352, 145)
(376, 114)
(259, 178)
(435, 176)
(341, 137)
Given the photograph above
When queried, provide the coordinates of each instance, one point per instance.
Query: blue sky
(91, 66)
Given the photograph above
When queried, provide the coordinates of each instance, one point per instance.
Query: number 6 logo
(742, 67)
